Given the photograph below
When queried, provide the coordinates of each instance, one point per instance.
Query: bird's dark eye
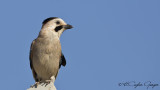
(58, 22)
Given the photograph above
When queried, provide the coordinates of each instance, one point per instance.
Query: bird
(45, 55)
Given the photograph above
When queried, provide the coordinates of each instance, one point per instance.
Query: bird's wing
(62, 61)
(31, 58)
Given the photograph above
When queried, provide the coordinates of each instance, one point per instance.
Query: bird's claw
(35, 85)
(47, 82)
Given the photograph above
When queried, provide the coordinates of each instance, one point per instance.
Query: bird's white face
(56, 25)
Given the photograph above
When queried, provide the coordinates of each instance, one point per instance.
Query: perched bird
(46, 55)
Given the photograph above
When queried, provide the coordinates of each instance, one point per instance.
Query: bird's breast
(48, 47)
(46, 57)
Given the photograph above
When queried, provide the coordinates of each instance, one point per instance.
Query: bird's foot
(35, 85)
(47, 82)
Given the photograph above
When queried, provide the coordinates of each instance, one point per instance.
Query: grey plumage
(45, 53)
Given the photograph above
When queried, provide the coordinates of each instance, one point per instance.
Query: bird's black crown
(48, 19)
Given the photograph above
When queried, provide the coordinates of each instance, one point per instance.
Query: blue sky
(112, 42)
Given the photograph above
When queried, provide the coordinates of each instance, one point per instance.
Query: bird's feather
(31, 64)
(62, 61)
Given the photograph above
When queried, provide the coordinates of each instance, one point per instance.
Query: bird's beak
(67, 26)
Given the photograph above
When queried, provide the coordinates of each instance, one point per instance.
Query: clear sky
(112, 42)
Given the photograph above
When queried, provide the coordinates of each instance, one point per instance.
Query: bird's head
(56, 25)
